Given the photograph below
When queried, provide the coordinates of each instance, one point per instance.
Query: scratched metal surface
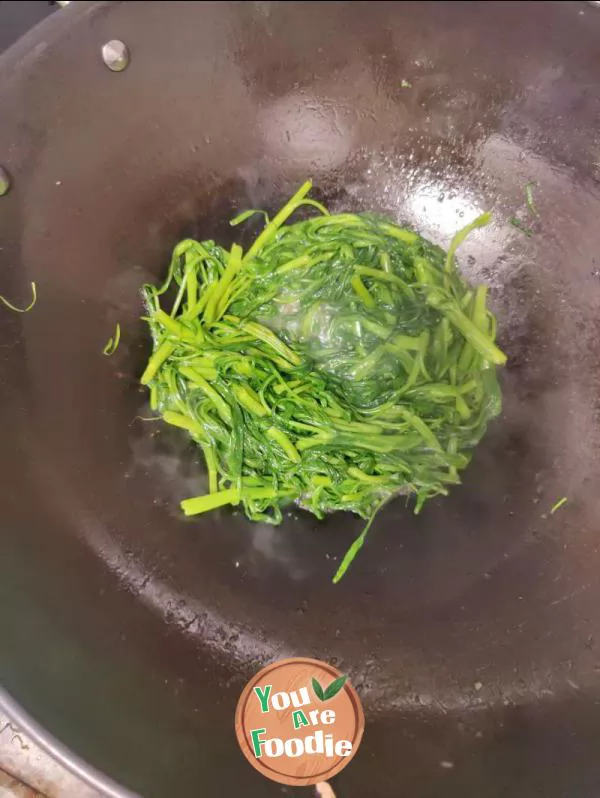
(471, 632)
(26, 771)
(13, 788)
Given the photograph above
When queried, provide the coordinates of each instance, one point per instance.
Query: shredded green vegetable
(529, 198)
(21, 310)
(520, 226)
(338, 362)
(113, 342)
(558, 505)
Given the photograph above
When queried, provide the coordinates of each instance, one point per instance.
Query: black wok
(472, 631)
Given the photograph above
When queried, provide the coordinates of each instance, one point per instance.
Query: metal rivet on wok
(115, 55)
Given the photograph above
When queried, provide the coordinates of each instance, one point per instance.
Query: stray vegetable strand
(529, 198)
(22, 310)
(558, 505)
(356, 546)
(113, 342)
(520, 226)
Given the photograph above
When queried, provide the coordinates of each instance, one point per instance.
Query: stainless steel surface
(26, 769)
(22, 757)
(41, 760)
(10, 787)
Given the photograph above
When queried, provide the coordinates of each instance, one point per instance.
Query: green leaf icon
(318, 690)
(332, 690)
(335, 687)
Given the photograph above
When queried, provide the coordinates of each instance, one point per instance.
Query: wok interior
(469, 630)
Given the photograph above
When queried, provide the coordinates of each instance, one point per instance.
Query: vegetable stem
(270, 229)
(558, 505)
(113, 342)
(457, 240)
(21, 310)
(350, 555)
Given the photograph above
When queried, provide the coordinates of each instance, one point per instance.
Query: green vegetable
(558, 505)
(338, 362)
(113, 342)
(21, 310)
(520, 226)
(359, 542)
(480, 221)
(529, 198)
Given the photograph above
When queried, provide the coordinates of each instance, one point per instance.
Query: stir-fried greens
(338, 362)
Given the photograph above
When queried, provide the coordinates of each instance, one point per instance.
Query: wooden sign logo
(299, 721)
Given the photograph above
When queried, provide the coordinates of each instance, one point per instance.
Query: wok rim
(59, 752)
(48, 30)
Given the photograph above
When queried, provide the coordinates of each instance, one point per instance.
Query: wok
(471, 631)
